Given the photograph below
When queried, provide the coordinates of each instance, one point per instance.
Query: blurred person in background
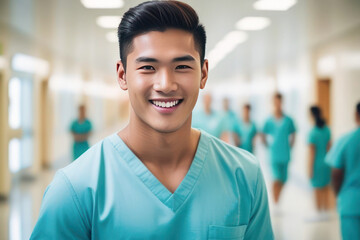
(247, 130)
(158, 178)
(208, 119)
(319, 172)
(344, 158)
(279, 136)
(230, 125)
(80, 129)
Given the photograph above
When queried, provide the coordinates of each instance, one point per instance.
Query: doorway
(323, 98)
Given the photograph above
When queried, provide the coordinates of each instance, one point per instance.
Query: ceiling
(65, 33)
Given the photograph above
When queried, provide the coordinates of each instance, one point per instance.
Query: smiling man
(158, 178)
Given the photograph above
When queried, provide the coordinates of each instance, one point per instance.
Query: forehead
(167, 44)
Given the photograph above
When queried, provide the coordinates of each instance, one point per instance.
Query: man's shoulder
(232, 156)
(85, 170)
(349, 139)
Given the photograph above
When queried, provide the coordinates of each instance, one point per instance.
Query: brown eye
(147, 67)
(182, 67)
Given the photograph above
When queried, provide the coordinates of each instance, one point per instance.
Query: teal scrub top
(320, 138)
(278, 132)
(248, 132)
(80, 128)
(345, 155)
(108, 193)
(211, 123)
(230, 122)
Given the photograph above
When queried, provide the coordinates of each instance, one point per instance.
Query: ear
(204, 74)
(121, 75)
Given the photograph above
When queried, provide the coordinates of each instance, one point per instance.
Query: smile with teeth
(167, 104)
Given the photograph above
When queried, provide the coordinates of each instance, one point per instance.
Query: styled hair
(317, 115)
(247, 106)
(358, 109)
(159, 16)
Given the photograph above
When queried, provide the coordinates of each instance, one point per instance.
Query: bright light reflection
(25, 63)
(103, 3)
(108, 21)
(274, 5)
(15, 225)
(14, 103)
(14, 155)
(326, 66)
(252, 23)
(225, 46)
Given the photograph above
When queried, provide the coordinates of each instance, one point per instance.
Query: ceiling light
(112, 36)
(227, 44)
(252, 23)
(274, 5)
(326, 66)
(108, 21)
(102, 3)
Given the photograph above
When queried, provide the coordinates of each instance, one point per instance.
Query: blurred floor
(22, 208)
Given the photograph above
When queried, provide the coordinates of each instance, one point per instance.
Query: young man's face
(163, 76)
(246, 112)
(277, 104)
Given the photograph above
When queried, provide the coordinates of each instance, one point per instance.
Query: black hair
(358, 109)
(247, 106)
(159, 16)
(317, 115)
(278, 96)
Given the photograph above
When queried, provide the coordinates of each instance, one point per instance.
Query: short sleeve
(329, 134)
(237, 127)
(73, 126)
(254, 129)
(60, 214)
(292, 128)
(90, 126)
(335, 157)
(311, 137)
(259, 226)
(267, 127)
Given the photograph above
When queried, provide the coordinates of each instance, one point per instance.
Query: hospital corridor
(283, 85)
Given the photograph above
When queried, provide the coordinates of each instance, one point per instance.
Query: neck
(208, 110)
(246, 119)
(278, 114)
(165, 150)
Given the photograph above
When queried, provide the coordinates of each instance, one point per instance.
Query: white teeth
(165, 104)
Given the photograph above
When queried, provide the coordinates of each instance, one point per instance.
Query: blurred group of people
(338, 164)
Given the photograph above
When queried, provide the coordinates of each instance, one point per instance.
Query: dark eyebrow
(183, 58)
(177, 59)
(146, 59)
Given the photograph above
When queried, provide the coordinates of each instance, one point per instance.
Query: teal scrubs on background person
(345, 155)
(209, 122)
(230, 123)
(320, 138)
(108, 193)
(247, 132)
(84, 127)
(278, 132)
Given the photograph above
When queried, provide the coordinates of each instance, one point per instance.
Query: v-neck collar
(171, 200)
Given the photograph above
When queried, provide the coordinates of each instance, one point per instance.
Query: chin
(167, 128)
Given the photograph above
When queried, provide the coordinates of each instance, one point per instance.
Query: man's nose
(165, 82)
